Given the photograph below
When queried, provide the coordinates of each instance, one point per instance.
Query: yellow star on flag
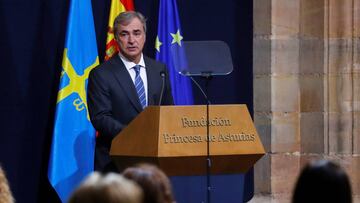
(157, 44)
(176, 38)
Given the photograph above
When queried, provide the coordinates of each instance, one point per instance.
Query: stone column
(342, 40)
(306, 89)
(356, 103)
(277, 93)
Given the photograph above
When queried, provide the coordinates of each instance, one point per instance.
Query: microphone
(162, 75)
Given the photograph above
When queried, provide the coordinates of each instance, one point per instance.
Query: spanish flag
(117, 7)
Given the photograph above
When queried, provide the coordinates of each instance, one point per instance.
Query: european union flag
(72, 150)
(169, 39)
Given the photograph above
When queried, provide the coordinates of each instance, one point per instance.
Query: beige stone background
(306, 90)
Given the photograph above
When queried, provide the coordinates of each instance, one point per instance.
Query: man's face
(131, 40)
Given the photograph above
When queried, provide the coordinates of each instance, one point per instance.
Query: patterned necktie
(139, 85)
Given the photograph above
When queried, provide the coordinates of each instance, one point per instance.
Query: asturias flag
(72, 150)
(169, 39)
(117, 7)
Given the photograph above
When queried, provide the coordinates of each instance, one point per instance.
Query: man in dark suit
(120, 88)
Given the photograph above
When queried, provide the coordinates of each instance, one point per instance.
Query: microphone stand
(208, 158)
(162, 75)
(207, 77)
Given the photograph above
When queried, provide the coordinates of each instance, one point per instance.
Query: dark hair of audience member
(109, 188)
(5, 192)
(322, 181)
(154, 182)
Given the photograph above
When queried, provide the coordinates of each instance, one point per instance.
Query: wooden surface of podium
(175, 139)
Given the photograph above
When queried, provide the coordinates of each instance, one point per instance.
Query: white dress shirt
(130, 68)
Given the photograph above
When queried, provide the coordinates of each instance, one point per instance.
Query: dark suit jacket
(113, 102)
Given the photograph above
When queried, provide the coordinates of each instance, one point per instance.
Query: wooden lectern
(175, 139)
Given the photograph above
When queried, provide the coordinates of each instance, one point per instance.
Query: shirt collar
(129, 64)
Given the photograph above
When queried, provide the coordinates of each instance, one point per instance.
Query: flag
(169, 39)
(73, 144)
(117, 7)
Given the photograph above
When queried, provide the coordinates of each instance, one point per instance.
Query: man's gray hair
(125, 18)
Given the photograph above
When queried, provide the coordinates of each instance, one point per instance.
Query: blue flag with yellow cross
(73, 144)
(168, 40)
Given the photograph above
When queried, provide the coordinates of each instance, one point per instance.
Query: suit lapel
(123, 77)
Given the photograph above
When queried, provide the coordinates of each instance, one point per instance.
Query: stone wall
(306, 89)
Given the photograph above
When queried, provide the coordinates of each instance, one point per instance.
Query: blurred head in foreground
(109, 188)
(322, 181)
(154, 182)
(5, 193)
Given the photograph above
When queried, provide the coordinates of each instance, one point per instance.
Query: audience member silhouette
(155, 184)
(322, 181)
(5, 193)
(109, 188)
